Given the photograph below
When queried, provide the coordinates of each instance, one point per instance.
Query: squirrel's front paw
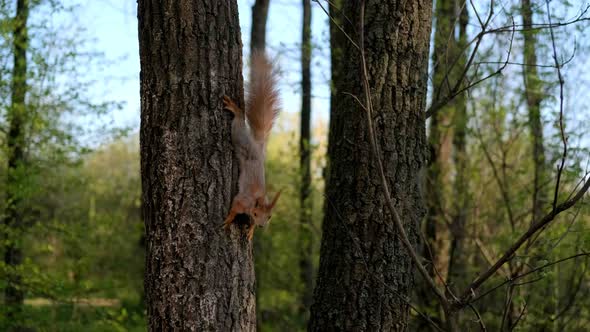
(229, 105)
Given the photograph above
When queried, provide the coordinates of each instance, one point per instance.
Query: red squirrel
(262, 109)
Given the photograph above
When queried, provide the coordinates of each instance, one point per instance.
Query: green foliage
(47, 188)
(276, 248)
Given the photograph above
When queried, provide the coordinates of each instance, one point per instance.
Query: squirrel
(249, 141)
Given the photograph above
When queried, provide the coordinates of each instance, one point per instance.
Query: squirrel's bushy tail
(262, 100)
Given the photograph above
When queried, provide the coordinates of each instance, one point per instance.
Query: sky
(113, 26)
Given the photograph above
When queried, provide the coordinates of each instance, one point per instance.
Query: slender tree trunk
(306, 234)
(198, 277)
(365, 272)
(13, 253)
(534, 96)
(440, 140)
(258, 32)
(457, 254)
(258, 44)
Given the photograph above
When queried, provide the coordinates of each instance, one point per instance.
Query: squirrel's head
(262, 211)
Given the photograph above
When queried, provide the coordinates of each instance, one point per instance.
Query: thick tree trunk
(198, 277)
(306, 235)
(13, 251)
(365, 272)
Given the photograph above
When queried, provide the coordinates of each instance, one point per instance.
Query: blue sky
(113, 25)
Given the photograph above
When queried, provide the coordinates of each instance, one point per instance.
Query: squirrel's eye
(255, 215)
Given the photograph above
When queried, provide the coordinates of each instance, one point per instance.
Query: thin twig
(456, 91)
(520, 276)
(561, 128)
(482, 326)
(336, 24)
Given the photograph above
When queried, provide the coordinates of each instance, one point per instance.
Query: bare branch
(482, 326)
(520, 276)
(336, 24)
(561, 128)
(522, 239)
(457, 90)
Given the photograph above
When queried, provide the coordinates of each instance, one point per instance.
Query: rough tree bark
(365, 273)
(16, 116)
(198, 277)
(305, 262)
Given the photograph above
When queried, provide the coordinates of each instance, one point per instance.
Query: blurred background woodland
(72, 235)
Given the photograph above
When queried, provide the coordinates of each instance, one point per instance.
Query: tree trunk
(16, 116)
(458, 255)
(365, 273)
(457, 252)
(534, 95)
(533, 90)
(198, 277)
(258, 44)
(306, 234)
(258, 32)
(440, 139)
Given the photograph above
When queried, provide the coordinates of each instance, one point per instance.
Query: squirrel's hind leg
(251, 232)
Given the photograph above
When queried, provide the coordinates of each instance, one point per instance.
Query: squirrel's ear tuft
(274, 201)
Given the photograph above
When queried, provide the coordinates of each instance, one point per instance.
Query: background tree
(447, 193)
(79, 185)
(365, 273)
(306, 234)
(43, 98)
(196, 274)
(16, 116)
(258, 31)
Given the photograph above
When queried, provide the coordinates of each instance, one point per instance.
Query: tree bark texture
(16, 116)
(198, 277)
(365, 272)
(306, 234)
